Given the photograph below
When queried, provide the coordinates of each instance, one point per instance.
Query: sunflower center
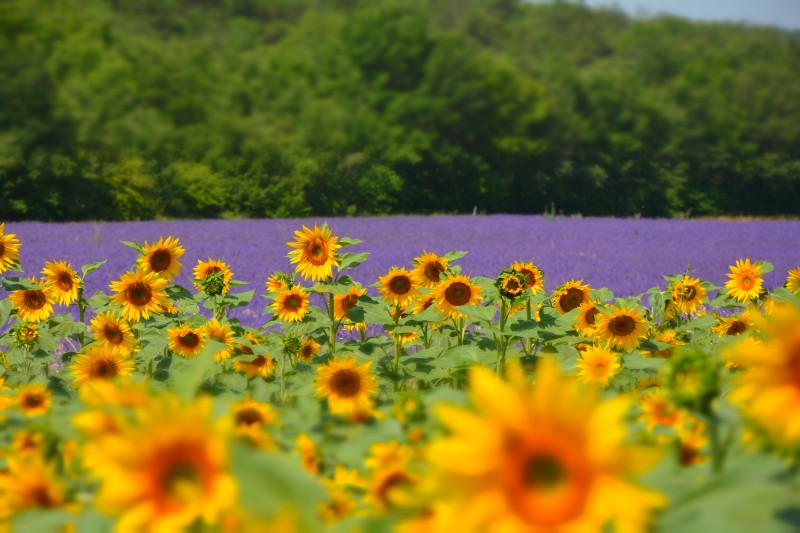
(530, 278)
(104, 369)
(182, 482)
(747, 281)
(41, 496)
(736, 327)
(687, 294)
(432, 270)
(544, 472)
(600, 369)
(400, 285)
(346, 383)
(621, 326)
(457, 293)
(34, 300)
(64, 281)
(512, 284)
(139, 293)
(349, 301)
(571, 299)
(189, 340)
(393, 480)
(293, 301)
(33, 400)
(590, 314)
(112, 334)
(249, 416)
(317, 252)
(160, 260)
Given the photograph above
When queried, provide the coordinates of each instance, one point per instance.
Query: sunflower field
(423, 399)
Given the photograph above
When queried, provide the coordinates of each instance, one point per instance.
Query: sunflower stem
(529, 316)
(717, 451)
(334, 328)
(283, 379)
(501, 345)
(81, 312)
(461, 328)
(396, 345)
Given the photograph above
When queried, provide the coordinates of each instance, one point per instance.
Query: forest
(152, 109)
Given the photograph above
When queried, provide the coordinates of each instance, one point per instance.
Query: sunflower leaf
(454, 256)
(5, 311)
(20, 284)
(135, 245)
(347, 241)
(91, 267)
(348, 260)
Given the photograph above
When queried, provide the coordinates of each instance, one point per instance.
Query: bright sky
(783, 13)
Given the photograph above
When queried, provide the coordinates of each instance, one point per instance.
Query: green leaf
(189, 374)
(766, 266)
(601, 295)
(135, 245)
(349, 260)
(347, 241)
(5, 311)
(97, 300)
(478, 312)
(19, 284)
(91, 267)
(454, 256)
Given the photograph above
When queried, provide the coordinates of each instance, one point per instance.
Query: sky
(783, 13)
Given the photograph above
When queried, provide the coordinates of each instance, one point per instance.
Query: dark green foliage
(138, 109)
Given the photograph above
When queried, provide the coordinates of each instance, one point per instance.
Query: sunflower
(342, 303)
(33, 399)
(29, 482)
(26, 334)
(746, 281)
(405, 338)
(510, 283)
(347, 386)
(9, 250)
(308, 350)
(768, 391)
(585, 321)
(113, 332)
(165, 470)
(186, 341)
(793, 281)
(534, 279)
(223, 334)
(570, 296)
(688, 294)
(734, 325)
(162, 257)
(28, 442)
(139, 293)
(545, 457)
(658, 411)
(262, 366)
(429, 268)
(314, 252)
(279, 282)
(99, 363)
(455, 291)
(398, 286)
(213, 277)
(62, 282)
(389, 488)
(33, 305)
(668, 337)
(598, 364)
(250, 413)
(291, 305)
(308, 453)
(622, 328)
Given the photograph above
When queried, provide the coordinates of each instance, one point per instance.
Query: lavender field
(628, 256)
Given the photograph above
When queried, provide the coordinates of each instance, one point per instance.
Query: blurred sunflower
(314, 252)
(658, 410)
(291, 305)
(733, 325)
(598, 364)
(99, 363)
(534, 279)
(27, 442)
(162, 257)
(571, 295)
(455, 291)
(9, 249)
(745, 281)
(308, 453)
(542, 458)
(308, 349)
(688, 294)
(262, 366)
(29, 482)
(279, 282)
(429, 268)
(139, 293)
(213, 277)
(248, 412)
(342, 303)
(223, 334)
(622, 328)
(32, 305)
(347, 386)
(113, 332)
(61, 281)
(793, 281)
(186, 341)
(33, 399)
(398, 286)
(585, 321)
(166, 469)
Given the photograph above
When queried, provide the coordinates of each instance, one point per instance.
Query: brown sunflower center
(392, 481)
(112, 334)
(293, 301)
(346, 383)
(249, 416)
(34, 300)
(2, 249)
(590, 314)
(160, 260)
(747, 281)
(433, 270)
(32, 400)
(139, 293)
(212, 270)
(104, 369)
(41, 495)
(621, 326)
(530, 278)
(687, 294)
(400, 285)
(64, 281)
(512, 284)
(457, 293)
(544, 472)
(182, 481)
(189, 340)
(736, 327)
(348, 302)
(571, 299)
(317, 251)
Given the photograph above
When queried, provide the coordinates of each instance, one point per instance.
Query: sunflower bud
(291, 345)
(212, 284)
(510, 283)
(693, 379)
(25, 336)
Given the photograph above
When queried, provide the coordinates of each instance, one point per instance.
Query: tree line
(140, 109)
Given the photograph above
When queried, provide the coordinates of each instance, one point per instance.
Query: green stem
(334, 326)
(81, 313)
(396, 345)
(461, 328)
(717, 450)
(283, 379)
(502, 343)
